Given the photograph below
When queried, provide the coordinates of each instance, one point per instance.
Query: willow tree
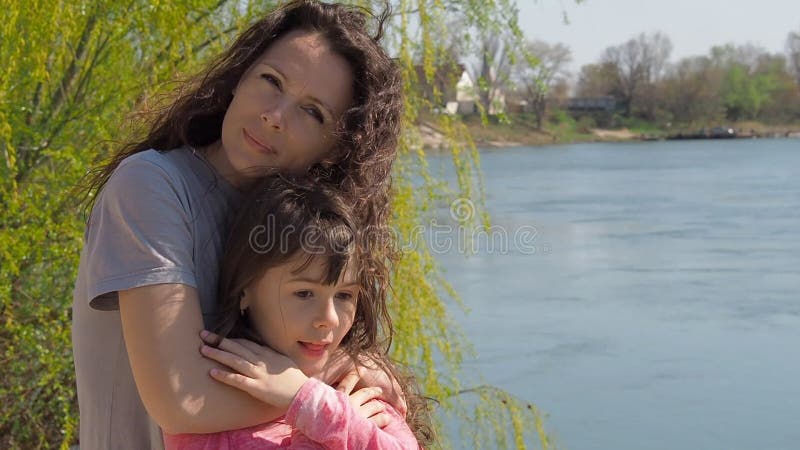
(73, 74)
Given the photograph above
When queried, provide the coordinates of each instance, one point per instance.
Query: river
(657, 307)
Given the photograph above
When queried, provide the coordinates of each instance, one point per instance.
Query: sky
(693, 26)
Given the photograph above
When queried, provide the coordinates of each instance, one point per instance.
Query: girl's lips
(313, 349)
(256, 143)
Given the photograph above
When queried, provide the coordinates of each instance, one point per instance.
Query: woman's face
(298, 316)
(285, 109)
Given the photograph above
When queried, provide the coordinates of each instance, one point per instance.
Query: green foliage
(559, 116)
(743, 94)
(732, 82)
(512, 423)
(585, 124)
(766, 91)
(70, 78)
(73, 71)
(636, 125)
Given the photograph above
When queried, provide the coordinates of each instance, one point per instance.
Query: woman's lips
(257, 144)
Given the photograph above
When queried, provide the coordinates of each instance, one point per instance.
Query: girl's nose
(326, 316)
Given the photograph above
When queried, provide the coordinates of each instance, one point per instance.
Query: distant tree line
(730, 83)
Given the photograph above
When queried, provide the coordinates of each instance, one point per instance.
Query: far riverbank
(521, 131)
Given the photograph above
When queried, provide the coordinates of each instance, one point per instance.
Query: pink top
(319, 417)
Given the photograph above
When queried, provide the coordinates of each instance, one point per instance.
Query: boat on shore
(709, 133)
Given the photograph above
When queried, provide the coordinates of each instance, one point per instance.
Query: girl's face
(300, 317)
(285, 109)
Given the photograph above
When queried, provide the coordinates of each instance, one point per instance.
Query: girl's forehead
(309, 267)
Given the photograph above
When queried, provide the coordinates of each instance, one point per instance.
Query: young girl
(298, 278)
(305, 89)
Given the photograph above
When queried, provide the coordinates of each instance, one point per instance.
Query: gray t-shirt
(160, 218)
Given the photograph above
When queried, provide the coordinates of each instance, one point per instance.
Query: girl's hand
(342, 373)
(365, 402)
(260, 371)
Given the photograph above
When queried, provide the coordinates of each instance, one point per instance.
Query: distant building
(465, 98)
(592, 104)
(455, 88)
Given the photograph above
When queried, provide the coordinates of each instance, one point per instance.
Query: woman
(305, 89)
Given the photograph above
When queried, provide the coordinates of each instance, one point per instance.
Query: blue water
(660, 307)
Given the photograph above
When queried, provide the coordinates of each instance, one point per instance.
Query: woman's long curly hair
(366, 146)
(367, 133)
(284, 217)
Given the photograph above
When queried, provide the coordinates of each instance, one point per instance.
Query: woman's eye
(304, 294)
(272, 80)
(316, 114)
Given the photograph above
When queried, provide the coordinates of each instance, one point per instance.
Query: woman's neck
(216, 157)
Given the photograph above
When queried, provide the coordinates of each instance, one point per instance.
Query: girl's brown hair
(284, 217)
(368, 131)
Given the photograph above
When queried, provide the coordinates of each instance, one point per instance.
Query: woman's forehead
(308, 63)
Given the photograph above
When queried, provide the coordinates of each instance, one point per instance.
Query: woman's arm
(161, 325)
(140, 256)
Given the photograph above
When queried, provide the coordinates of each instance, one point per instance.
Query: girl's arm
(161, 325)
(322, 414)
(347, 376)
(328, 418)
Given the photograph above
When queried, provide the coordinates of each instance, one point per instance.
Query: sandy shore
(433, 139)
(617, 135)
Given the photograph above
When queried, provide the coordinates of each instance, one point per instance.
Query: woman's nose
(273, 115)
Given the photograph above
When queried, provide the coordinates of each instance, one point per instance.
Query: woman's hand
(260, 371)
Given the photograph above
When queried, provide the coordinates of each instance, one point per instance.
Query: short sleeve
(140, 233)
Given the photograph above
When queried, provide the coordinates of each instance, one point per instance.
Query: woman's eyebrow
(264, 63)
(322, 104)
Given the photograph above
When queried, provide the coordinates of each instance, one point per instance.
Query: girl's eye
(344, 296)
(272, 80)
(316, 114)
(304, 294)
